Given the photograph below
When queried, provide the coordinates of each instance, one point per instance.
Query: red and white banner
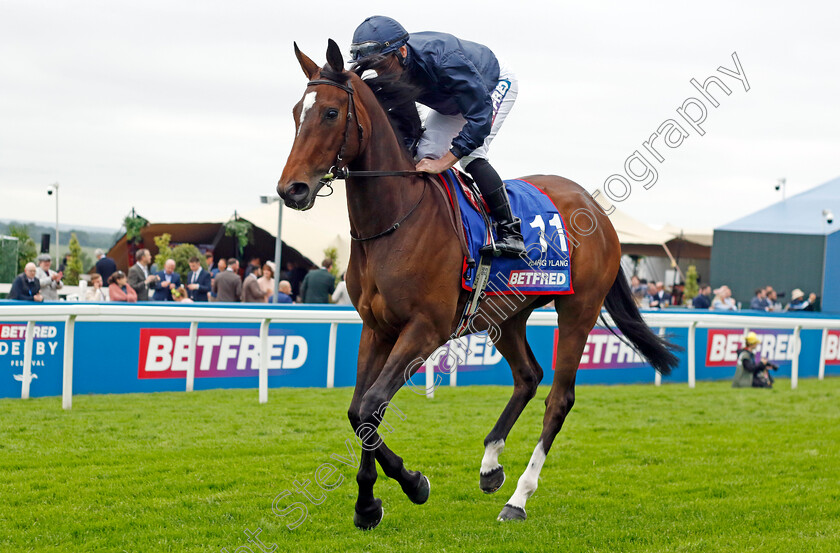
(220, 352)
(722, 346)
(832, 348)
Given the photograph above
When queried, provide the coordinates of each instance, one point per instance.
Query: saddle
(545, 269)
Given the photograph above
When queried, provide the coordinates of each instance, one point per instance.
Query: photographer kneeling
(748, 373)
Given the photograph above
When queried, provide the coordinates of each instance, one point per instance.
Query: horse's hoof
(370, 520)
(493, 480)
(511, 512)
(421, 495)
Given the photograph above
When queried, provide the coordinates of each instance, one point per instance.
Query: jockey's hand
(436, 166)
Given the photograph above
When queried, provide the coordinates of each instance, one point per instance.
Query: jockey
(469, 94)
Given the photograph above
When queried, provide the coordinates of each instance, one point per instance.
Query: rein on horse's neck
(375, 203)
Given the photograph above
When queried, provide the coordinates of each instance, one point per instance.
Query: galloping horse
(404, 279)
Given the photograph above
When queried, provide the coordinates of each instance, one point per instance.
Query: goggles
(364, 49)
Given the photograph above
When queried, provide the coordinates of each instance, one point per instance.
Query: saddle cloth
(547, 268)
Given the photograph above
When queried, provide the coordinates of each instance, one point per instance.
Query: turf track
(636, 468)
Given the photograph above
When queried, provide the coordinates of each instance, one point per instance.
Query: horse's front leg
(414, 344)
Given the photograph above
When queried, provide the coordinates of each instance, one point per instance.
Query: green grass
(636, 468)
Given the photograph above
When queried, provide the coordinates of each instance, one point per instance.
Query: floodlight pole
(278, 248)
(278, 242)
(54, 186)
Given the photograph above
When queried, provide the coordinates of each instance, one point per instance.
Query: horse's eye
(332, 113)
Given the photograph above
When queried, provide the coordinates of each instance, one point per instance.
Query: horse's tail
(621, 307)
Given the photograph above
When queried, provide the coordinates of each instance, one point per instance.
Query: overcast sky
(183, 109)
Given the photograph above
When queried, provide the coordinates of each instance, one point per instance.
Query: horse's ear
(334, 57)
(309, 67)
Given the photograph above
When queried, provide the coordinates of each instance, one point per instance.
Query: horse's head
(329, 129)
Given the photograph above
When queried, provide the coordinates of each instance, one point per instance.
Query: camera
(829, 216)
(778, 186)
(49, 191)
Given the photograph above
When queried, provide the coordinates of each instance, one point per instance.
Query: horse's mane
(396, 95)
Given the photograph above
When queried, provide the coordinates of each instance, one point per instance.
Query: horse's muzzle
(297, 195)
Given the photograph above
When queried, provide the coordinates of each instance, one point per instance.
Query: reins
(339, 172)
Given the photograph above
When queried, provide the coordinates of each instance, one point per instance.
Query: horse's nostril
(298, 190)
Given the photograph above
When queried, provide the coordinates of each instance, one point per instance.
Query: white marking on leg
(308, 102)
(527, 484)
(491, 456)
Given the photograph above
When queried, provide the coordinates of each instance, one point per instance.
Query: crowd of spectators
(219, 282)
(657, 296)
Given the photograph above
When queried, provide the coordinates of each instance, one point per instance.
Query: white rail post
(657, 377)
(794, 369)
(67, 384)
(331, 355)
(27, 360)
(264, 360)
(191, 355)
(692, 361)
(823, 346)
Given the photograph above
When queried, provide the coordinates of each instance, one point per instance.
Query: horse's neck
(376, 203)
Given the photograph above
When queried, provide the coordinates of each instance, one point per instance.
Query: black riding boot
(508, 233)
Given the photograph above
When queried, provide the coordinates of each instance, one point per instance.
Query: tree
(164, 251)
(332, 255)
(182, 254)
(74, 263)
(27, 250)
(691, 289)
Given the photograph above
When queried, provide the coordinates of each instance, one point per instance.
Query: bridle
(338, 171)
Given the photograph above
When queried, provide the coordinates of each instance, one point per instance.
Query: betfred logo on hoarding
(832, 348)
(220, 352)
(722, 346)
(604, 350)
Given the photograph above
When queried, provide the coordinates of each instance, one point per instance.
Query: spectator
(95, 291)
(25, 286)
(772, 300)
(64, 261)
(636, 285)
(760, 301)
(50, 280)
(199, 281)
(119, 290)
(227, 285)
(318, 285)
(253, 264)
(748, 373)
(208, 257)
(266, 281)
(723, 300)
(251, 291)
(140, 277)
(340, 296)
(105, 266)
(660, 298)
(167, 280)
(284, 293)
(797, 300)
(812, 303)
(220, 266)
(703, 300)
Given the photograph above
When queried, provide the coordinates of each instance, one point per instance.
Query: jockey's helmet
(377, 35)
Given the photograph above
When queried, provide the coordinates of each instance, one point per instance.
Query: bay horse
(404, 278)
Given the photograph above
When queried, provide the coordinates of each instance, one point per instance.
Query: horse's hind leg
(527, 375)
(574, 329)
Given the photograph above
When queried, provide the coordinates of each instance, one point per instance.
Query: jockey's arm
(461, 78)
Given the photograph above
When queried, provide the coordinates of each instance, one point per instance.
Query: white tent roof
(310, 232)
(633, 231)
(698, 236)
